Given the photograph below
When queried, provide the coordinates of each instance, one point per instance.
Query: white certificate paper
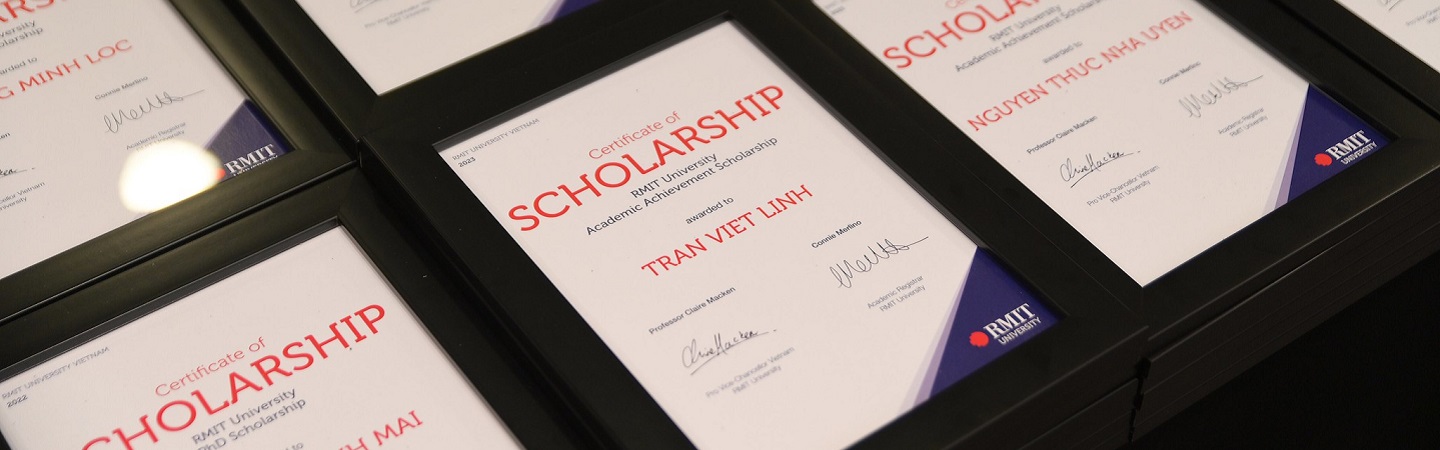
(1414, 24)
(1152, 126)
(759, 270)
(309, 349)
(86, 87)
(394, 42)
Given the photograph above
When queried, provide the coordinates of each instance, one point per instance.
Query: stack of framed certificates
(1195, 156)
(661, 224)
(1399, 232)
(1396, 38)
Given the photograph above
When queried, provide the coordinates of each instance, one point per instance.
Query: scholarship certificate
(1414, 24)
(106, 106)
(394, 42)
(1152, 126)
(309, 349)
(763, 274)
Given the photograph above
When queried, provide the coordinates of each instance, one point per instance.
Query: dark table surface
(1367, 378)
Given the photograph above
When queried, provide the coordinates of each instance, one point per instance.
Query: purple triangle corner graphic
(1282, 194)
(567, 7)
(926, 386)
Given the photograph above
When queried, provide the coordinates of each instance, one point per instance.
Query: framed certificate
(1397, 38)
(1411, 24)
(374, 61)
(309, 324)
(709, 222)
(1222, 166)
(1362, 253)
(113, 120)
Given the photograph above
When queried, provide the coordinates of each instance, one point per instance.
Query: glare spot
(165, 173)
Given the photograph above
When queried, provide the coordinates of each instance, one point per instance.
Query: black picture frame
(1396, 229)
(314, 155)
(1103, 425)
(1242, 265)
(1368, 45)
(1084, 357)
(355, 109)
(1204, 361)
(1352, 257)
(470, 339)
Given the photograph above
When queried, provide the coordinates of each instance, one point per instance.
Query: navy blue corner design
(1330, 139)
(246, 140)
(996, 312)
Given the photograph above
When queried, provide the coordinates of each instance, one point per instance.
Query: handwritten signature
(846, 271)
(114, 120)
(357, 5)
(8, 172)
(695, 357)
(1070, 171)
(1193, 103)
(1389, 5)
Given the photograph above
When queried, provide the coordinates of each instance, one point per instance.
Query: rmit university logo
(1008, 327)
(250, 160)
(1347, 150)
